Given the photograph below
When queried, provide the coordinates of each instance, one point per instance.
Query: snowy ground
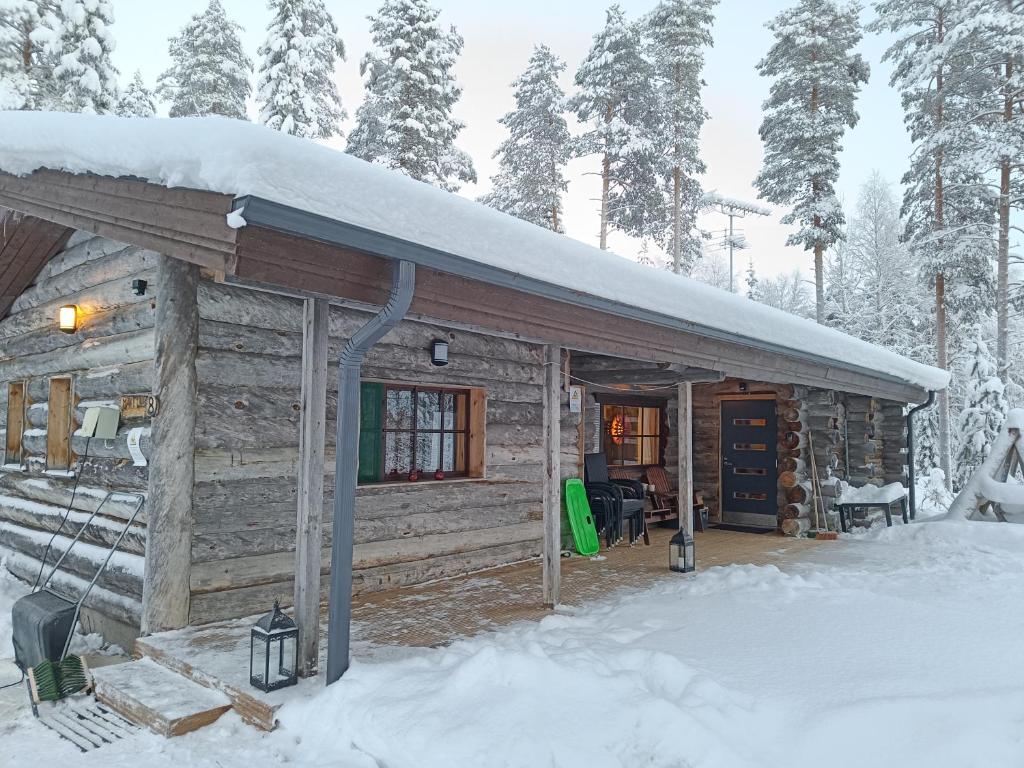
(900, 647)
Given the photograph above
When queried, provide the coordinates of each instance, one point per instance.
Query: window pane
(449, 410)
(650, 421)
(630, 450)
(448, 464)
(428, 451)
(398, 414)
(428, 410)
(461, 411)
(649, 450)
(632, 417)
(397, 452)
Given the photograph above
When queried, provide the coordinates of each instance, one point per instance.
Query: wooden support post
(312, 436)
(684, 393)
(165, 590)
(552, 475)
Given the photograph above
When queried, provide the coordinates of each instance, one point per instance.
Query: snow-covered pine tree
(406, 121)
(136, 100)
(26, 68)
(983, 412)
(679, 31)
(810, 106)
(531, 161)
(84, 77)
(209, 72)
(991, 35)
(295, 88)
(751, 279)
(618, 99)
(947, 210)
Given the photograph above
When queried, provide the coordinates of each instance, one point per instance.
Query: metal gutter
(294, 221)
(346, 467)
(911, 472)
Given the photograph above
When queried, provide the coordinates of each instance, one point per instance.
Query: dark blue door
(749, 476)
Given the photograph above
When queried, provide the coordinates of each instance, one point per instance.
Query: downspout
(403, 282)
(911, 471)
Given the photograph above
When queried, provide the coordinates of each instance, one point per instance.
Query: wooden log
(552, 491)
(165, 603)
(791, 511)
(798, 494)
(790, 441)
(788, 480)
(312, 441)
(796, 526)
(789, 413)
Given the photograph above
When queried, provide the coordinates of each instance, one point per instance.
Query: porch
(438, 613)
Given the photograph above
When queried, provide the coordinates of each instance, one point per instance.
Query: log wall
(247, 432)
(110, 355)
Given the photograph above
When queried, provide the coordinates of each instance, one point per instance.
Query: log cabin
(335, 376)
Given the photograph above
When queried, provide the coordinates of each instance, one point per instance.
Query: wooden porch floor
(217, 655)
(435, 614)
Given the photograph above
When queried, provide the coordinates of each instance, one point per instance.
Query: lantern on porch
(681, 556)
(272, 651)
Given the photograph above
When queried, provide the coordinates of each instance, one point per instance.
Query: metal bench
(846, 511)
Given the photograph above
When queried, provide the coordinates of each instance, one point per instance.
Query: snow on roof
(240, 158)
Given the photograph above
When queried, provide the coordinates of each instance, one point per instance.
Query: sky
(499, 38)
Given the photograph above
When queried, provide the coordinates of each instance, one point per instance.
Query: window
(58, 425)
(15, 422)
(631, 434)
(429, 429)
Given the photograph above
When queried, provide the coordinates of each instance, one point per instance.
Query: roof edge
(289, 220)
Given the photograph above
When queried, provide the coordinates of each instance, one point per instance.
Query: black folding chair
(627, 495)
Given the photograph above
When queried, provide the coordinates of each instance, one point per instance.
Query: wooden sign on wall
(138, 406)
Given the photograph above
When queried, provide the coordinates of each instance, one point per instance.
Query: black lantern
(272, 651)
(439, 352)
(681, 556)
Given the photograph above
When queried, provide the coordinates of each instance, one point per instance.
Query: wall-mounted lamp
(139, 287)
(439, 352)
(743, 386)
(67, 318)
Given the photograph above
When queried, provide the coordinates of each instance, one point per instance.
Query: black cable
(18, 682)
(67, 514)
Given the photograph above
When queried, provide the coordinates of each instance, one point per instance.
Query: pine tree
(947, 211)
(406, 121)
(618, 99)
(85, 77)
(532, 159)
(137, 100)
(810, 106)
(209, 73)
(751, 280)
(991, 35)
(295, 88)
(679, 31)
(983, 412)
(27, 31)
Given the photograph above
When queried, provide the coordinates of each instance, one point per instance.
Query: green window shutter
(370, 418)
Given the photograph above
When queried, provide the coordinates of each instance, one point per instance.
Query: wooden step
(151, 695)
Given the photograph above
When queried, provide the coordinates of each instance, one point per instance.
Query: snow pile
(891, 649)
(871, 494)
(238, 158)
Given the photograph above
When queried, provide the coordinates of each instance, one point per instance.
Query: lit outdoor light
(67, 318)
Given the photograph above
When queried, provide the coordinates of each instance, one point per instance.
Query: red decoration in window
(618, 428)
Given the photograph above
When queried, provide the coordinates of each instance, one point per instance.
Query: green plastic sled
(584, 534)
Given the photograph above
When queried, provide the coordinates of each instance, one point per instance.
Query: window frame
(60, 426)
(415, 430)
(14, 447)
(635, 401)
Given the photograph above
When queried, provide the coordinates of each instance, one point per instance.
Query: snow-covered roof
(240, 158)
